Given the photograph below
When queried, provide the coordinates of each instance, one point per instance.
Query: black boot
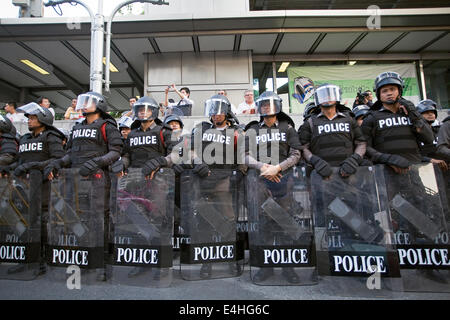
(290, 275)
(206, 271)
(263, 274)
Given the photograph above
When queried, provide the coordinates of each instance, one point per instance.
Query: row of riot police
(300, 190)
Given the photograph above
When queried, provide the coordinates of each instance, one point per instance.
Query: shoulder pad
(251, 124)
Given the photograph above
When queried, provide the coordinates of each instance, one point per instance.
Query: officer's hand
(178, 169)
(322, 167)
(117, 167)
(399, 170)
(350, 165)
(398, 161)
(20, 171)
(202, 170)
(153, 165)
(88, 168)
(53, 166)
(407, 105)
(271, 173)
(441, 163)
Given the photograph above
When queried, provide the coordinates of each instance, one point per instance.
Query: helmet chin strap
(391, 102)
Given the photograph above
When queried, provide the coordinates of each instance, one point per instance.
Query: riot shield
(281, 241)
(20, 226)
(76, 226)
(418, 204)
(208, 218)
(353, 234)
(143, 225)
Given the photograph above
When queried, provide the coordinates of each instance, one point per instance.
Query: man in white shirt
(12, 114)
(45, 103)
(185, 104)
(248, 106)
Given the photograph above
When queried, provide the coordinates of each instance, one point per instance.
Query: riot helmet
(327, 95)
(216, 105)
(91, 102)
(360, 110)
(44, 115)
(125, 122)
(146, 108)
(309, 109)
(427, 105)
(173, 114)
(386, 78)
(5, 124)
(268, 104)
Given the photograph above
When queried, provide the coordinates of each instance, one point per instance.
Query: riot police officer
(214, 161)
(95, 144)
(37, 149)
(124, 124)
(332, 138)
(360, 112)
(8, 145)
(310, 109)
(274, 129)
(393, 127)
(428, 109)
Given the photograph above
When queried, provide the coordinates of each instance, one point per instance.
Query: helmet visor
(173, 111)
(87, 102)
(268, 106)
(31, 108)
(216, 107)
(145, 111)
(327, 95)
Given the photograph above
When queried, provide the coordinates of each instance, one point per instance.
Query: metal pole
(422, 80)
(97, 36)
(108, 36)
(274, 74)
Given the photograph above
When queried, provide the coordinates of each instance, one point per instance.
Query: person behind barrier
(43, 144)
(275, 128)
(393, 127)
(332, 138)
(428, 109)
(95, 144)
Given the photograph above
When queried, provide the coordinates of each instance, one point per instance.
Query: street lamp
(97, 37)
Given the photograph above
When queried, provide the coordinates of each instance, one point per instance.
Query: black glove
(88, 168)
(117, 166)
(178, 169)
(153, 164)
(322, 167)
(53, 166)
(5, 170)
(201, 169)
(393, 159)
(350, 165)
(22, 169)
(410, 108)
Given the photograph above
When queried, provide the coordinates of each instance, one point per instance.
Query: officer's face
(33, 122)
(389, 93)
(175, 125)
(218, 119)
(144, 113)
(125, 132)
(429, 116)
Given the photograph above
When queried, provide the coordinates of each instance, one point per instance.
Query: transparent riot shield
(209, 218)
(418, 203)
(77, 210)
(281, 240)
(143, 227)
(356, 255)
(20, 226)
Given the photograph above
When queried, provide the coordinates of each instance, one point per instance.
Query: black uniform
(443, 140)
(332, 140)
(391, 133)
(8, 149)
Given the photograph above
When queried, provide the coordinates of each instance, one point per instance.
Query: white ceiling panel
(259, 43)
(216, 43)
(414, 40)
(133, 49)
(441, 45)
(13, 53)
(63, 58)
(375, 42)
(297, 42)
(336, 42)
(175, 44)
